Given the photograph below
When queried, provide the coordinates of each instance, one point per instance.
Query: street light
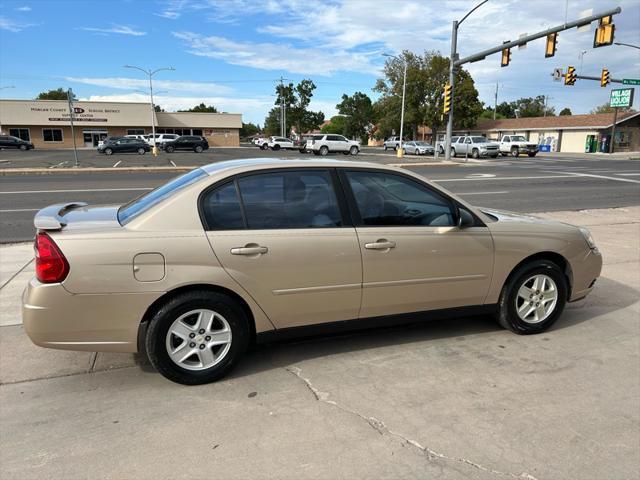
(454, 57)
(626, 45)
(151, 73)
(400, 152)
(581, 57)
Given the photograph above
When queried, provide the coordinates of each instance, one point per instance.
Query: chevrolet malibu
(251, 250)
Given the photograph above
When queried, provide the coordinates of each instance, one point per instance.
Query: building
(46, 123)
(567, 133)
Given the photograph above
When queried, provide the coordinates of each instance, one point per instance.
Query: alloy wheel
(536, 299)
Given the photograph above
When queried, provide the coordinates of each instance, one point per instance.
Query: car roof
(252, 164)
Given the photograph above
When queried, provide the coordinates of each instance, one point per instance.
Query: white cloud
(276, 56)
(24, 8)
(119, 29)
(13, 26)
(125, 83)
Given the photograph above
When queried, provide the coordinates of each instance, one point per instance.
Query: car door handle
(380, 245)
(253, 250)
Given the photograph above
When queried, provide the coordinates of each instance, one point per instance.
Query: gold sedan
(251, 250)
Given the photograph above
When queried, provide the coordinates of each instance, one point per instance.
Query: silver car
(418, 148)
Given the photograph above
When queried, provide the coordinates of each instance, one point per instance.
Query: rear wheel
(453, 152)
(533, 298)
(141, 151)
(302, 150)
(198, 149)
(532, 154)
(108, 151)
(354, 150)
(23, 147)
(197, 337)
(276, 147)
(264, 146)
(515, 151)
(169, 148)
(324, 150)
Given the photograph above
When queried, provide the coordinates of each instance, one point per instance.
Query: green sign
(631, 81)
(621, 97)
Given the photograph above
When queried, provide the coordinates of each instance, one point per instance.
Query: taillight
(51, 266)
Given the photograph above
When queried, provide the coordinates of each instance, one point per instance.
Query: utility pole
(452, 60)
(613, 129)
(73, 133)
(495, 102)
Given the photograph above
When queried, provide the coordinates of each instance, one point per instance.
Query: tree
(526, 107)
(335, 125)
(426, 77)
(296, 102)
(359, 113)
(57, 94)
(158, 108)
(565, 111)
(202, 108)
(605, 108)
(488, 113)
(249, 129)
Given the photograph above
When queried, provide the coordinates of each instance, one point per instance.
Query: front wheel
(169, 149)
(532, 154)
(515, 152)
(353, 150)
(198, 149)
(23, 147)
(302, 150)
(276, 147)
(108, 151)
(141, 151)
(533, 298)
(453, 152)
(264, 146)
(324, 150)
(197, 337)
(475, 153)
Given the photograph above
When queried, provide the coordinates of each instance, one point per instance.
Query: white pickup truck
(514, 145)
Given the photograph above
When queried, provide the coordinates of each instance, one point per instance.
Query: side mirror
(465, 219)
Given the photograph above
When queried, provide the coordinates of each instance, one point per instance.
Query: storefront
(47, 123)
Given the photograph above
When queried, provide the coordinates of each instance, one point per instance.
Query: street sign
(631, 81)
(621, 97)
(557, 74)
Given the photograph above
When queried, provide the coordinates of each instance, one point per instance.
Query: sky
(231, 53)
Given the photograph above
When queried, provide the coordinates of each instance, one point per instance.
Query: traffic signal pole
(455, 61)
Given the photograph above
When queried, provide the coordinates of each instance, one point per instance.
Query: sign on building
(621, 97)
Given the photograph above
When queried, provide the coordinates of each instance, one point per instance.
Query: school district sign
(621, 97)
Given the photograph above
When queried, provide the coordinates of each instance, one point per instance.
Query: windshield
(518, 138)
(138, 205)
(479, 140)
(422, 144)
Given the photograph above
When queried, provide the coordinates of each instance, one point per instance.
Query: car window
(135, 207)
(221, 208)
(298, 199)
(467, 140)
(394, 200)
(479, 139)
(518, 138)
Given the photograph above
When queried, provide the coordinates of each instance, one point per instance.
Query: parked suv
(124, 145)
(263, 143)
(393, 143)
(474, 146)
(187, 142)
(322, 144)
(517, 144)
(276, 143)
(8, 141)
(162, 138)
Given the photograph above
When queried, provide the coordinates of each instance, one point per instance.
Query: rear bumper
(55, 318)
(585, 271)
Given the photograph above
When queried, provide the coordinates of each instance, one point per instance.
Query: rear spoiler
(52, 217)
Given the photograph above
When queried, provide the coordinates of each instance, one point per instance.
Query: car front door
(414, 256)
(283, 237)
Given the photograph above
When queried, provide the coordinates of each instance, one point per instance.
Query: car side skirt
(373, 322)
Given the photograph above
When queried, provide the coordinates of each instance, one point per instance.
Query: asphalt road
(524, 185)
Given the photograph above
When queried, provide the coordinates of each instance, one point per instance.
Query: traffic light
(604, 32)
(447, 99)
(552, 43)
(506, 56)
(570, 76)
(604, 78)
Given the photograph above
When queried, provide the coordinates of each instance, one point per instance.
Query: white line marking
(603, 177)
(503, 178)
(481, 193)
(20, 210)
(117, 163)
(629, 174)
(86, 190)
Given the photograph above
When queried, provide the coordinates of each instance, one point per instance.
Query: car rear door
(414, 257)
(284, 237)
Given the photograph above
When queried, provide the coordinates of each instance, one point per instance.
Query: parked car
(323, 144)
(514, 145)
(124, 145)
(107, 140)
(301, 143)
(474, 146)
(138, 137)
(263, 143)
(187, 142)
(441, 144)
(246, 250)
(276, 143)
(8, 141)
(393, 143)
(161, 139)
(418, 148)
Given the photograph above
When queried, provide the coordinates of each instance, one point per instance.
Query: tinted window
(221, 208)
(148, 200)
(52, 135)
(394, 200)
(22, 133)
(302, 199)
(479, 139)
(334, 138)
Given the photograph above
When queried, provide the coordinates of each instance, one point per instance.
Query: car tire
(515, 152)
(181, 314)
(453, 152)
(533, 154)
(264, 146)
(276, 147)
(512, 298)
(354, 150)
(169, 149)
(23, 147)
(324, 150)
(385, 148)
(108, 151)
(141, 151)
(475, 153)
(198, 149)
(302, 150)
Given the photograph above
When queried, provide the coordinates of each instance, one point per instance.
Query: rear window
(135, 207)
